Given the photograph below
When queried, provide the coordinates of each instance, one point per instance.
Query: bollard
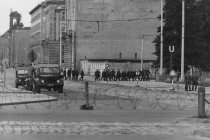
(201, 102)
(87, 93)
(87, 105)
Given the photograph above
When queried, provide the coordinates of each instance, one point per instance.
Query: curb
(28, 102)
(202, 133)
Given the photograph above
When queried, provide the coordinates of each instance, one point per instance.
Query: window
(22, 71)
(63, 16)
(49, 70)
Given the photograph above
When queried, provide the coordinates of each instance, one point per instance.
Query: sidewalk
(13, 96)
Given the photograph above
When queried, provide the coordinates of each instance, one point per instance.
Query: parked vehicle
(22, 74)
(48, 76)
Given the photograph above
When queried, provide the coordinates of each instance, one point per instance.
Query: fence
(122, 97)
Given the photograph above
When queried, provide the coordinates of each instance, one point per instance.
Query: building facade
(15, 42)
(47, 25)
(112, 31)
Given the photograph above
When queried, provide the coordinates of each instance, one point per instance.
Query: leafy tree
(197, 20)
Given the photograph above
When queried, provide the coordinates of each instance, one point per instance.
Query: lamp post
(183, 32)
(142, 51)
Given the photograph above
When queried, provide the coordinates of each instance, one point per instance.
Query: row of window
(120, 55)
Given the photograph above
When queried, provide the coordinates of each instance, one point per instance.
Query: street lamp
(183, 37)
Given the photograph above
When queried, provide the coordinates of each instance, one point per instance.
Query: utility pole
(60, 41)
(161, 40)
(182, 49)
(142, 51)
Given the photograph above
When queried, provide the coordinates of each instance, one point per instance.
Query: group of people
(71, 74)
(112, 75)
(191, 78)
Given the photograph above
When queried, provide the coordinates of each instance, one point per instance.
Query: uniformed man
(118, 75)
(104, 75)
(187, 82)
(138, 75)
(69, 74)
(82, 75)
(97, 75)
(64, 73)
(113, 75)
(194, 82)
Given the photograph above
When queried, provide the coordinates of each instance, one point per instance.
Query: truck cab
(48, 76)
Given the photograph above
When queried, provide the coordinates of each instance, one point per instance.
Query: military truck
(22, 74)
(48, 76)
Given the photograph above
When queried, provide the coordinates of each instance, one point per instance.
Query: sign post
(107, 66)
(171, 50)
(172, 74)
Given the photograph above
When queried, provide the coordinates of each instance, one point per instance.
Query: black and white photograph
(105, 70)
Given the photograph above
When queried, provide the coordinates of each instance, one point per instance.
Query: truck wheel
(54, 89)
(16, 85)
(31, 88)
(37, 89)
(60, 90)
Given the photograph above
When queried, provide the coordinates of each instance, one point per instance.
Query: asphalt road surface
(64, 120)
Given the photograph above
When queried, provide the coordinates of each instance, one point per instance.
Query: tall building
(15, 42)
(118, 33)
(47, 26)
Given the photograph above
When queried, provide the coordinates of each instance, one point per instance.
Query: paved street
(113, 117)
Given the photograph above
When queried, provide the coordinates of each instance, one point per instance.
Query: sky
(21, 6)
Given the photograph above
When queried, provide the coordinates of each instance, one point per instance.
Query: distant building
(15, 42)
(47, 22)
(111, 32)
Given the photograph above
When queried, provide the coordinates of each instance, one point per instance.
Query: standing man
(118, 75)
(76, 74)
(97, 75)
(82, 75)
(194, 81)
(69, 74)
(187, 82)
(138, 75)
(64, 73)
(113, 75)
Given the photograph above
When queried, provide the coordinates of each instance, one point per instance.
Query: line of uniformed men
(112, 75)
(191, 82)
(73, 74)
